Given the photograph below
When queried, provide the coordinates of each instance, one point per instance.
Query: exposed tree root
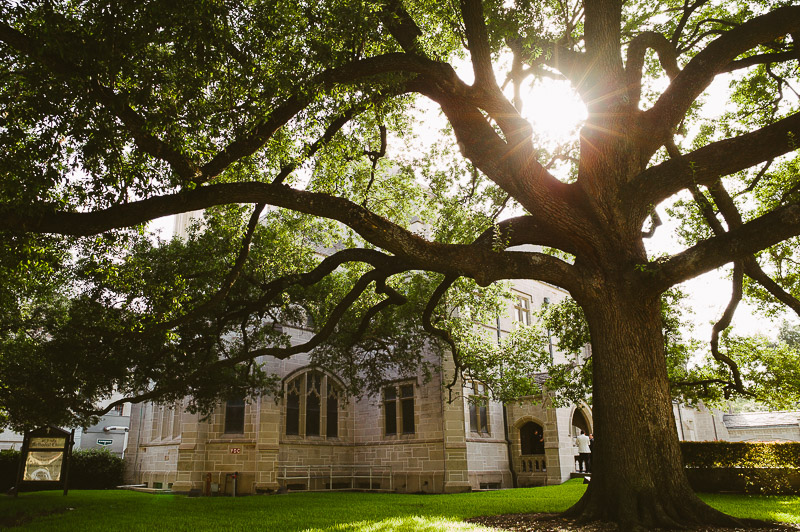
(648, 510)
(540, 522)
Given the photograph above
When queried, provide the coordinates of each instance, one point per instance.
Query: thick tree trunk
(637, 471)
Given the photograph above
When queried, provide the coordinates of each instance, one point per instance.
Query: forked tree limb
(274, 351)
(393, 297)
(478, 44)
(733, 218)
(227, 282)
(637, 48)
(379, 261)
(686, 13)
(718, 250)
(738, 243)
(443, 334)
(706, 165)
(672, 105)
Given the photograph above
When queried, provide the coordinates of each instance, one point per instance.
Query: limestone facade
(430, 447)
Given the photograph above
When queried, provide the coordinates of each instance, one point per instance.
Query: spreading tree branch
(762, 59)
(672, 105)
(470, 260)
(718, 250)
(135, 124)
(706, 165)
(199, 374)
(667, 55)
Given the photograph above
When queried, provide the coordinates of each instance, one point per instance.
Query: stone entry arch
(531, 462)
(531, 438)
(580, 423)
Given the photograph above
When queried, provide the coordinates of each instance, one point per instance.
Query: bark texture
(637, 476)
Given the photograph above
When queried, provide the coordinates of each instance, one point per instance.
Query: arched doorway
(531, 438)
(532, 467)
(579, 423)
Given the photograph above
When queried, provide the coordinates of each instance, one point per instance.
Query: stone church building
(414, 437)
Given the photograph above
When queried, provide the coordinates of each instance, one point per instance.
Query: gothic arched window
(312, 404)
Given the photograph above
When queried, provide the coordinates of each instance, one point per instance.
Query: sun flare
(553, 109)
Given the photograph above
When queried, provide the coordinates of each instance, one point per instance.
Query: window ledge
(231, 439)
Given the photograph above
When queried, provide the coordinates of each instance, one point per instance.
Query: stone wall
(780, 433)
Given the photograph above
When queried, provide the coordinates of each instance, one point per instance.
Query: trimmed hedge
(90, 469)
(95, 469)
(747, 467)
(706, 454)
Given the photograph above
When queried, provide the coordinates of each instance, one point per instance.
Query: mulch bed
(555, 523)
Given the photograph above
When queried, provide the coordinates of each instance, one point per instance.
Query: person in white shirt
(584, 452)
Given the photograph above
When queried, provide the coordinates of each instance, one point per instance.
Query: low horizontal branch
(481, 261)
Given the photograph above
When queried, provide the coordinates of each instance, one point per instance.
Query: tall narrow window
(332, 412)
(398, 409)
(390, 409)
(522, 310)
(313, 404)
(177, 411)
(407, 407)
(154, 432)
(479, 409)
(166, 420)
(234, 416)
(293, 408)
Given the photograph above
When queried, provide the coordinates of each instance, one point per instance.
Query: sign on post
(44, 462)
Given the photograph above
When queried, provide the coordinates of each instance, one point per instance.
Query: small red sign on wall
(236, 450)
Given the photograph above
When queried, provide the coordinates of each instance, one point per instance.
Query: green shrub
(90, 469)
(95, 469)
(9, 462)
(706, 454)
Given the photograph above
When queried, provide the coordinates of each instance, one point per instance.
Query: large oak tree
(116, 113)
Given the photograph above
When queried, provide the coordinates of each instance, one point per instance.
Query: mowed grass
(367, 512)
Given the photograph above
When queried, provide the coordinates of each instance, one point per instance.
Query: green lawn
(367, 512)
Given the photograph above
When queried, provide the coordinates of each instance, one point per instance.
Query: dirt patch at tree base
(555, 523)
